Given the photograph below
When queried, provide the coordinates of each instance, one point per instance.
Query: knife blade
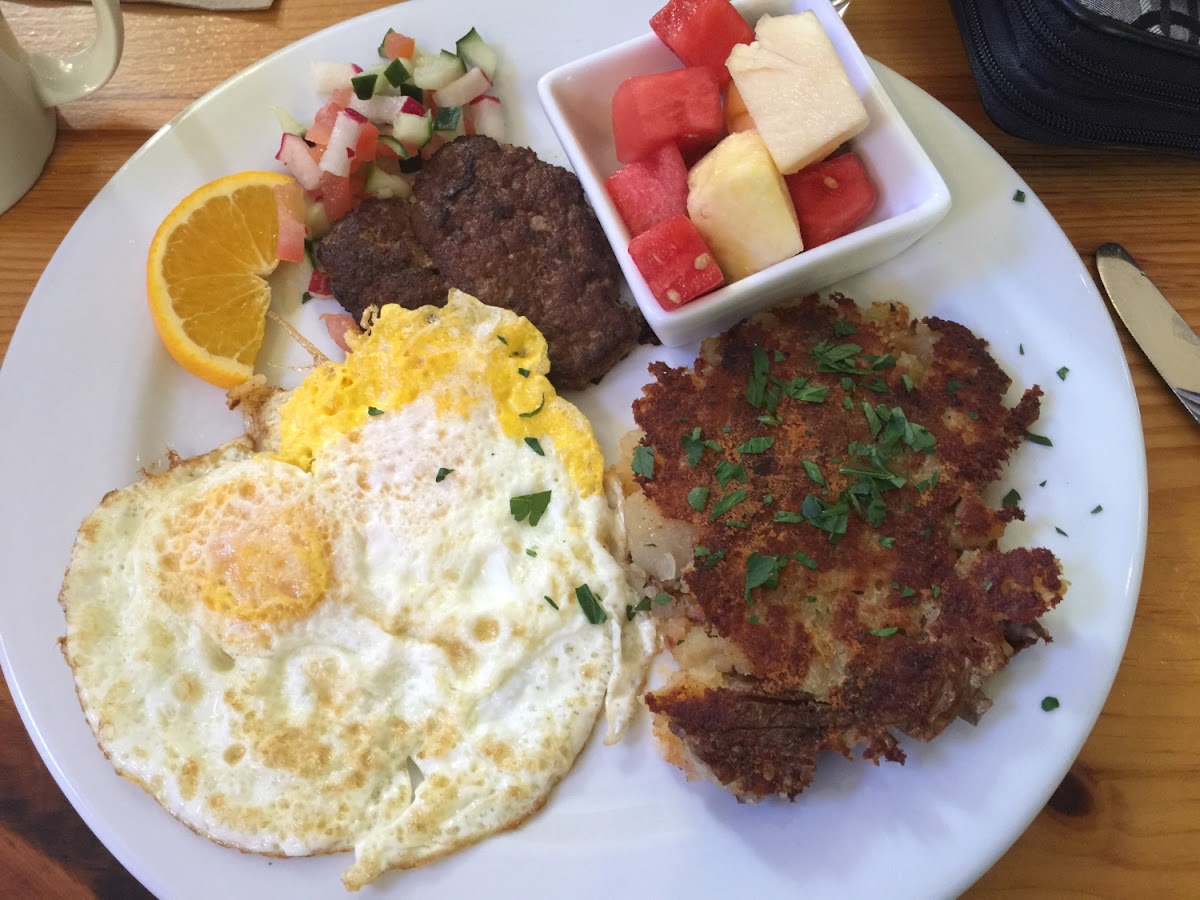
(1166, 339)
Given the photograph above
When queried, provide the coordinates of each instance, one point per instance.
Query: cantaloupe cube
(740, 204)
(796, 89)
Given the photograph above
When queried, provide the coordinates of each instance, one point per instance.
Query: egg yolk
(448, 354)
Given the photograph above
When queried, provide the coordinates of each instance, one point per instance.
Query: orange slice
(206, 275)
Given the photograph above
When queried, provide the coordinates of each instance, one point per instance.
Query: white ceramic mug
(31, 85)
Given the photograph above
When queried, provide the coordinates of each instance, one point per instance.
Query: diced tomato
(676, 262)
(337, 195)
(831, 198)
(318, 132)
(289, 204)
(366, 147)
(682, 107)
(341, 96)
(396, 44)
(339, 325)
(702, 32)
(650, 190)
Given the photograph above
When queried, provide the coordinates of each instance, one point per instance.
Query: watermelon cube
(650, 190)
(676, 262)
(831, 197)
(681, 107)
(702, 32)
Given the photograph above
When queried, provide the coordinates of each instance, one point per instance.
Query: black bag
(1088, 72)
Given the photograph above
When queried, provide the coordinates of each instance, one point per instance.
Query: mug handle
(61, 80)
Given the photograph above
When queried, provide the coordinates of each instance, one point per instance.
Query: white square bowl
(577, 98)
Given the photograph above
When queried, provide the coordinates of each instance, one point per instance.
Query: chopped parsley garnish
(753, 620)
(694, 447)
(708, 558)
(374, 411)
(551, 602)
(832, 357)
(502, 339)
(643, 462)
(1062, 373)
(756, 387)
(726, 503)
(761, 571)
(642, 605)
(663, 599)
(727, 472)
(1060, 531)
(1012, 498)
(842, 328)
(756, 445)
(1021, 349)
(1097, 509)
(907, 592)
(782, 515)
(935, 591)
(847, 403)
(778, 355)
(737, 523)
(884, 632)
(535, 446)
(529, 506)
(847, 384)
(804, 559)
(953, 385)
(529, 551)
(813, 471)
(441, 474)
(698, 498)
(1038, 439)
(524, 373)
(800, 389)
(878, 385)
(887, 542)
(974, 415)
(907, 382)
(1019, 196)
(879, 363)
(831, 517)
(1041, 484)
(873, 420)
(532, 413)
(1049, 704)
(305, 297)
(591, 607)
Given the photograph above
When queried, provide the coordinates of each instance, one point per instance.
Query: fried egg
(393, 632)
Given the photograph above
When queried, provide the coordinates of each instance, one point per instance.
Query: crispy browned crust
(948, 609)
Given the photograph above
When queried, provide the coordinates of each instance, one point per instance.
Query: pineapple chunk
(740, 204)
(796, 89)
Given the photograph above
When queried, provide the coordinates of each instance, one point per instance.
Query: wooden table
(1125, 823)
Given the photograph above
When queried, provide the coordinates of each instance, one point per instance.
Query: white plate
(87, 397)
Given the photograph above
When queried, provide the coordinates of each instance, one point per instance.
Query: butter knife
(1172, 347)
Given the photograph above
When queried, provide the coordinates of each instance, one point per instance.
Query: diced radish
(385, 185)
(472, 50)
(396, 45)
(318, 283)
(380, 108)
(342, 140)
(463, 90)
(650, 190)
(682, 107)
(339, 325)
(413, 107)
(431, 73)
(676, 262)
(318, 132)
(289, 205)
(294, 154)
(329, 76)
(486, 117)
(412, 129)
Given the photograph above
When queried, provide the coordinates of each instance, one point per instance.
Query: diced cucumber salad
(379, 123)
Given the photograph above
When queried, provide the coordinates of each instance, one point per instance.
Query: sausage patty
(517, 232)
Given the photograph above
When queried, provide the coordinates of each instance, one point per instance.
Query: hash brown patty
(847, 584)
(517, 232)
